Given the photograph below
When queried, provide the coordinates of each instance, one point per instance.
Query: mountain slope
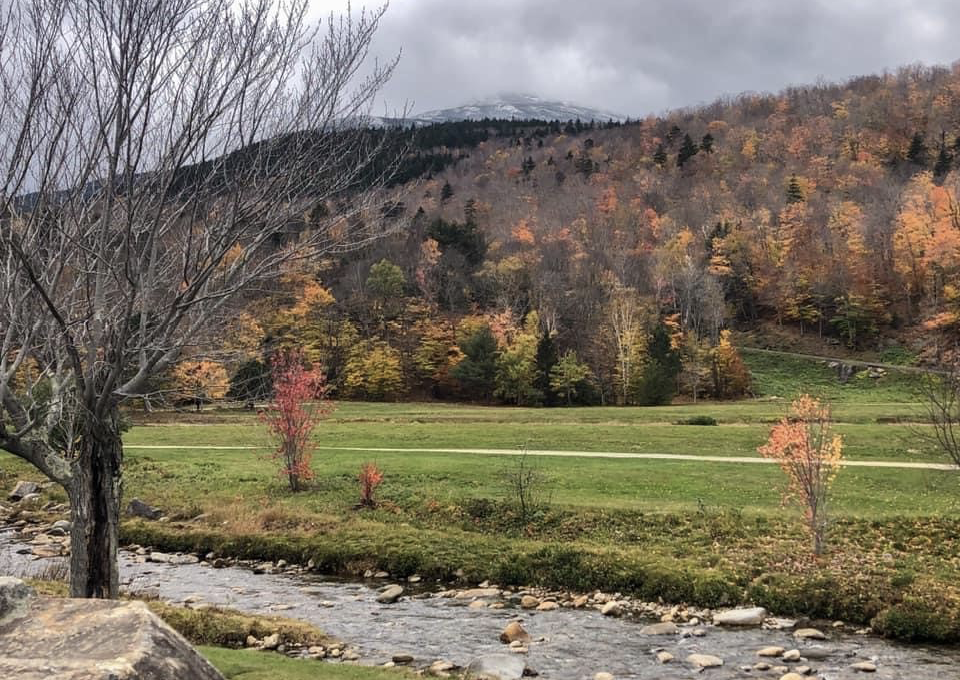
(517, 107)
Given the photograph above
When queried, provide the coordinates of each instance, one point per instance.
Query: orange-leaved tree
(299, 404)
(809, 453)
(370, 478)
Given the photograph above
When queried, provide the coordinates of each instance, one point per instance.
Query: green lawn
(245, 664)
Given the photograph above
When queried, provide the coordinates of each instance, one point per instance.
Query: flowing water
(575, 645)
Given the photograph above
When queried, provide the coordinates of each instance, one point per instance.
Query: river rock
(402, 658)
(663, 628)
(137, 508)
(529, 602)
(809, 634)
(477, 592)
(704, 660)
(548, 606)
(271, 641)
(603, 676)
(514, 632)
(864, 666)
(580, 602)
(792, 676)
(664, 657)
(612, 608)
(771, 651)
(390, 594)
(818, 653)
(496, 667)
(746, 616)
(792, 655)
(23, 489)
(72, 639)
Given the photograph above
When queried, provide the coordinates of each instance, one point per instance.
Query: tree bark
(95, 511)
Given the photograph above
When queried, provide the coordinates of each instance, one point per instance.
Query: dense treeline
(564, 263)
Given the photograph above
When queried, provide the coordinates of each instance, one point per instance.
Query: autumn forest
(537, 262)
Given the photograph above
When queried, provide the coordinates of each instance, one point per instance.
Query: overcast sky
(645, 56)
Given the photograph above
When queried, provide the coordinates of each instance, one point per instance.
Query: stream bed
(569, 644)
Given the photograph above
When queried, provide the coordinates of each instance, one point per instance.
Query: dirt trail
(575, 454)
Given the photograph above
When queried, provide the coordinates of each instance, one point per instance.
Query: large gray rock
(747, 616)
(23, 489)
(15, 597)
(390, 594)
(496, 667)
(137, 508)
(65, 639)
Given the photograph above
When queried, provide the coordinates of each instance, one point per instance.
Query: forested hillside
(560, 262)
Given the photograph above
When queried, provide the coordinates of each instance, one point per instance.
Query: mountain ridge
(517, 106)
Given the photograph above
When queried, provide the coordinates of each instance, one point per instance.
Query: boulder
(809, 634)
(612, 608)
(664, 628)
(704, 660)
(792, 655)
(15, 597)
(745, 616)
(67, 639)
(137, 508)
(390, 594)
(514, 632)
(23, 489)
(529, 602)
(496, 667)
(547, 606)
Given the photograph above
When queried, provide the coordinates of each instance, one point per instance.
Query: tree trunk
(95, 512)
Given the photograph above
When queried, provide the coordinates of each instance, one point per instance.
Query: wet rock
(402, 658)
(792, 655)
(477, 592)
(548, 606)
(529, 602)
(137, 508)
(477, 604)
(603, 676)
(390, 594)
(746, 616)
(664, 657)
(271, 641)
(704, 660)
(792, 676)
(514, 632)
(496, 667)
(663, 628)
(580, 602)
(818, 653)
(864, 666)
(416, 578)
(381, 574)
(761, 666)
(23, 489)
(96, 639)
(612, 608)
(771, 651)
(809, 634)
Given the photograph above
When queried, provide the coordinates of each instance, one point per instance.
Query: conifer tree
(794, 191)
(687, 151)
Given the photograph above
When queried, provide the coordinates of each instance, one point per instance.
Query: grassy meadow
(704, 532)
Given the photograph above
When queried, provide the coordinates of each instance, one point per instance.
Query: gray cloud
(645, 56)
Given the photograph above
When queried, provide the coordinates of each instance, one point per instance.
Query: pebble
(664, 657)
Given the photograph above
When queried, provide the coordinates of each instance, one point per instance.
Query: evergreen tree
(944, 161)
(687, 151)
(657, 382)
(660, 156)
(706, 144)
(673, 134)
(446, 193)
(917, 153)
(546, 359)
(794, 191)
(470, 211)
(477, 371)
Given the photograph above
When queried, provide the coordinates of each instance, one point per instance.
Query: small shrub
(698, 420)
(527, 487)
(480, 508)
(370, 478)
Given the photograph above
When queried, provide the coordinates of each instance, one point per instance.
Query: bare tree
(156, 158)
(941, 400)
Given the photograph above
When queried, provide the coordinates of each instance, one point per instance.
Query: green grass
(243, 664)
